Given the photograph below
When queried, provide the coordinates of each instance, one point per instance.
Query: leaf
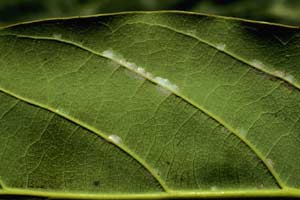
(149, 105)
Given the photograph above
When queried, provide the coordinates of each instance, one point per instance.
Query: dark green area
(280, 11)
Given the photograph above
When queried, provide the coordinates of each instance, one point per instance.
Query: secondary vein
(231, 54)
(276, 176)
(91, 129)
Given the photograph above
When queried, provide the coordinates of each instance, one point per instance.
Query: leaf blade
(187, 92)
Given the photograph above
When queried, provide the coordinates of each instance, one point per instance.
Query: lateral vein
(279, 181)
(281, 76)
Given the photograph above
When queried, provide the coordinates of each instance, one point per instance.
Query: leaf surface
(152, 104)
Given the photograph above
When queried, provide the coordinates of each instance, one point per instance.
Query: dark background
(279, 11)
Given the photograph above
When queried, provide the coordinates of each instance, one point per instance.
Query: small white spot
(270, 162)
(257, 64)
(221, 47)
(290, 78)
(115, 139)
(57, 36)
(213, 188)
(166, 83)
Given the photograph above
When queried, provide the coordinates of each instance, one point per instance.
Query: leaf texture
(149, 104)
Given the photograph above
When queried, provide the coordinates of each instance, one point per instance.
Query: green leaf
(149, 105)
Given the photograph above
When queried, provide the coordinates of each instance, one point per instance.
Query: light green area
(149, 105)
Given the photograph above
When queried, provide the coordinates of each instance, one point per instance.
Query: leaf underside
(149, 104)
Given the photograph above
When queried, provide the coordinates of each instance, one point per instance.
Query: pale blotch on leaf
(258, 64)
(279, 73)
(165, 83)
(114, 64)
(149, 75)
(270, 162)
(213, 188)
(130, 65)
(57, 36)
(115, 139)
(290, 78)
(242, 132)
(163, 91)
(192, 32)
(221, 47)
(134, 75)
(109, 54)
(61, 111)
(139, 70)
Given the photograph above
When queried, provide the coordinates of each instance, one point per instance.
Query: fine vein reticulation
(126, 149)
(173, 88)
(88, 127)
(189, 101)
(258, 67)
